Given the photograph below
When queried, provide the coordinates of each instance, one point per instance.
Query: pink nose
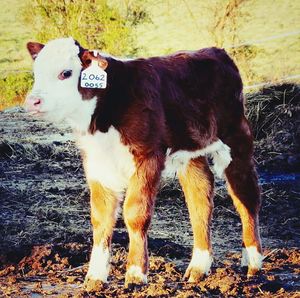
(33, 103)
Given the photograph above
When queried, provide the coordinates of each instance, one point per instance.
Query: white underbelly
(110, 162)
(219, 152)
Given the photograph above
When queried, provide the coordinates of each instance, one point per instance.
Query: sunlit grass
(13, 38)
(180, 24)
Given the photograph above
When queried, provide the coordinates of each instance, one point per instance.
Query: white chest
(107, 160)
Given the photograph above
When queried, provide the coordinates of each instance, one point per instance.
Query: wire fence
(266, 39)
(281, 80)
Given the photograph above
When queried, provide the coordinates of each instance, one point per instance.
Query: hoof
(193, 274)
(252, 259)
(93, 285)
(253, 271)
(134, 281)
(199, 265)
(135, 277)
(134, 286)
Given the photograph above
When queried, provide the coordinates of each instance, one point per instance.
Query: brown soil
(45, 232)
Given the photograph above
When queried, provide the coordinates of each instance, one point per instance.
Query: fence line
(258, 85)
(262, 40)
(15, 71)
(249, 43)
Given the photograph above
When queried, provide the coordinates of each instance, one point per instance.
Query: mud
(45, 232)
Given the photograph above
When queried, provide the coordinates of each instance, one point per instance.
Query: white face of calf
(55, 94)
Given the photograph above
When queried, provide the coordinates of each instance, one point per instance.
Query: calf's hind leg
(242, 184)
(197, 184)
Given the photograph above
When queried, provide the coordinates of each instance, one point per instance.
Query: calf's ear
(88, 56)
(34, 48)
(102, 62)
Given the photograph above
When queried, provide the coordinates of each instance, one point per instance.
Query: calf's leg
(138, 208)
(242, 184)
(104, 204)
(197, 184)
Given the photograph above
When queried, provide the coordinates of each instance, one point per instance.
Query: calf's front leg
(138, 208)
(104, 204)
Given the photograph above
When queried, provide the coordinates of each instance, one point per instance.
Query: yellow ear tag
(93, 76)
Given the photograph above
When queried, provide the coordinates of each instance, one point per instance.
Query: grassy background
(15, 64)
(174, 25)
(13, 37)
(182, 24)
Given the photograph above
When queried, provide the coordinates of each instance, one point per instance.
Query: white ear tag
(93, 76)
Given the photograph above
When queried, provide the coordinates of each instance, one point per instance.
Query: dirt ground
(45, 231)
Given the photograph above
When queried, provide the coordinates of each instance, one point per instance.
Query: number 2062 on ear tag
(93, 77)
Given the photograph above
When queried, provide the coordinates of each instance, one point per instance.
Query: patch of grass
(95, 24)
(13, 88)
(13, 38)
(15, 63)
(275, 116)
(271, 107)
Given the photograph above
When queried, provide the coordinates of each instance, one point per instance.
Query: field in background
(181, 24)
(13, 38)
(15, 64)
(174, 25)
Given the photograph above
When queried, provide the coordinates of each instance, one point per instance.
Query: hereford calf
(155, 118)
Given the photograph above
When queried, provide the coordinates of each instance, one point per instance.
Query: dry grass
(275, 116)
(267, 107)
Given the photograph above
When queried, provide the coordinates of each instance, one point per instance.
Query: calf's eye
(65, 74)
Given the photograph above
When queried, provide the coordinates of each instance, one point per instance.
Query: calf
(152, 118)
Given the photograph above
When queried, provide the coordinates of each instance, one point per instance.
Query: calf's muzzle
(33, 103)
